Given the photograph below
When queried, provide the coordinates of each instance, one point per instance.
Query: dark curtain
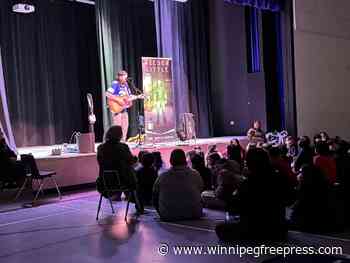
(253, 39)
(183, 35)
(272, 5)
(126, 32)
(171, 42)
(197, 25)
(5, 123)
(287, 36)
(273, 65)
(50, 63)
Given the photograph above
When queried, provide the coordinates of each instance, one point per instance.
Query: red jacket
(327, 166)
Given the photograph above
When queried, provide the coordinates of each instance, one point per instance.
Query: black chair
(34, 175)
(110, 183)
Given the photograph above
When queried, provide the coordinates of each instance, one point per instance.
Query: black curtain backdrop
(126, 32)
(279, 68)
(183, 35)
(197, 25)
(50, 62)
(273, 65)
(5, 122)
(172, 32)
(287, 37)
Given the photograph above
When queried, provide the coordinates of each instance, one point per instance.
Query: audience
(257, 186)
(138, 163)
(342, 158)
(282, 165)
(198, 150)
(177, 192)
(324, 137)
(212, 160)
(198, 164)
(12, 172)
(311, 210)
(256, 134)
(292, 148)
(212, 151)
(317, 138)
(305, 155)
(261, 203)
(324, 162)
(235, 152)
(146, 176)
(228, 179)
(115, 155)
(158, 162)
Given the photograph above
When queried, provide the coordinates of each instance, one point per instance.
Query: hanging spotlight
(23, 8)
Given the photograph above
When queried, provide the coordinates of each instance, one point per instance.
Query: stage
(82, 168)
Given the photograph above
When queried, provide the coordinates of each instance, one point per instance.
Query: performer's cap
(122, 73)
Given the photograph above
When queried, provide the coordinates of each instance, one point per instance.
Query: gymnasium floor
(66, 231)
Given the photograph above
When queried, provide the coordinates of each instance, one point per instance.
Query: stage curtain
(50, 63)
(182, 34)
(271, 5)
(253, 39)
(126, 32)
(197, 26)
(274, 71)
(171, 43)
(5, 123)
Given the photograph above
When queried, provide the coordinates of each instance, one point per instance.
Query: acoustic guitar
(119, 103)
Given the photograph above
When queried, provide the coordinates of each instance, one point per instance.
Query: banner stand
(160, 121)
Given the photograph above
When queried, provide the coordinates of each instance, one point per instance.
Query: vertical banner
(159, 103)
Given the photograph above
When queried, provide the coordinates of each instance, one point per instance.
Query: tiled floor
(67, 231)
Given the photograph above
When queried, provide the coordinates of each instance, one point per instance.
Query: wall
(322, 66)
(236, 95)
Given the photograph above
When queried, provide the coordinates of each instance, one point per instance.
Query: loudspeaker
(189, 126)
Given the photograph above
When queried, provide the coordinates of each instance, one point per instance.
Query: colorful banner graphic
(159, 103)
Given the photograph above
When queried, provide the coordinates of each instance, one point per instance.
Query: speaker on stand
(188, 128)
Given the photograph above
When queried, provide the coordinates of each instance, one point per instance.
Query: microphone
(131, 81)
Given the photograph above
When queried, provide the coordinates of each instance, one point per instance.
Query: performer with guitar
(120, 98)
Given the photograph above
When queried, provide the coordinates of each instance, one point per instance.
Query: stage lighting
(23, 8)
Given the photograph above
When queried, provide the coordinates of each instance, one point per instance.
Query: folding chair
(33, 174)
(112, 184)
